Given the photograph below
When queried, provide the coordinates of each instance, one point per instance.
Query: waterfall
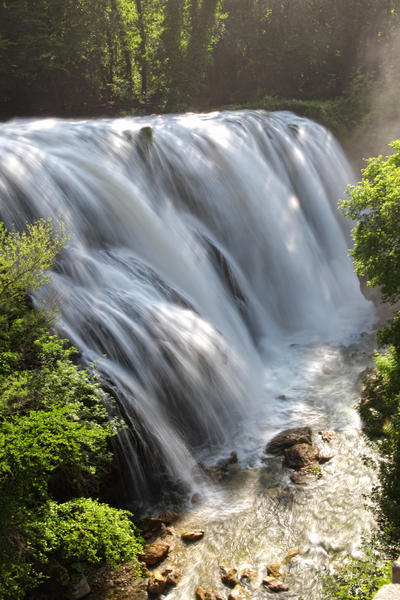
(202, 247)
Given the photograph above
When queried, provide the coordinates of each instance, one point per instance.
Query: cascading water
(207, 263)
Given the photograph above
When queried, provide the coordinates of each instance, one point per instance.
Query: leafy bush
(54, 432)
(356, 579)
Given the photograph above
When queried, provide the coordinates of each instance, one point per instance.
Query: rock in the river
(287, 438)
(274, 585)
(169, 516)
(229, 577)
(173, 576)
(150, 526)
(291, 554)
(238, 593)
(160, 582)
(192, 536)
(327, 436)
(223, 468)
(301, 455)
(156, 552)
(157, 584)
(248, 574)
(307, 474)
(203, 594)
(275, 570)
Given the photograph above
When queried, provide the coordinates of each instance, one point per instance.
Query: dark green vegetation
(375, 204)
(91, 57)
(54, 434)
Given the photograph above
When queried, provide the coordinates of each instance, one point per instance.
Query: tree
(54, 432)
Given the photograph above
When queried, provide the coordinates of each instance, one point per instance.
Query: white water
(207, 275)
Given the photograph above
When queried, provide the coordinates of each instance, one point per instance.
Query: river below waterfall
(208, 277)
(255, 517)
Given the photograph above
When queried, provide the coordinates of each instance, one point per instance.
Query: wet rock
(248, 574)
(157, 584)
(238, 593)
(150, 526)
(327, 436)
(301, 455)
(203, 594)
(224, 467)
(229, 577)
(195, 499)
(173, 576)
(275, 570)
(306, 475)
(156, 552)
(275, 493)
(231, 460)
(287, 438)
(274, 585)
(78, 590)
(160, 582)
(169, 516)
(291, 554)
(192, 536)
(324, 458)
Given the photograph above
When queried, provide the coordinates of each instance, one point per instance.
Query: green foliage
(54, 432)
(375, 205)
(356, 579)
(85, 530)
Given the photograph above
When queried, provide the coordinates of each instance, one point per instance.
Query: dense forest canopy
(88, 57)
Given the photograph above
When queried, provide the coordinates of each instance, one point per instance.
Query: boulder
(150, 526)
(248, 574)
(287, 438)
(203, 594)
(154, 553)
(169, 516)
(301, 455)
(238, 593)
(160, 582)
(274, 585)
(307, 474)
(157, 584)
(223, 468)
(275, 570)
(173, 576)
(192, 536)
(229, 577)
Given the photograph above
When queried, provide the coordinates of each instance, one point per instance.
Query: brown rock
(327, 436)
(238, 593)
(229, 577)
(203, 594)
(324, 458)
(291, 554)
(154, 553)
(150, 526)
(196, 498)
(306, 475)
(157, 584)
(169, 516)
(173, 576)
(301, 455)
(192, 536)
(248, 574)
(274, 585)
(275, 570)
(287, 438)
